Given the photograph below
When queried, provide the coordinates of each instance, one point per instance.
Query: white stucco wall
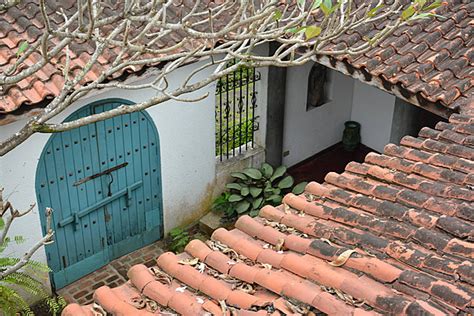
(187, 141)
(373, 109)
(187, 154)
(308, 132)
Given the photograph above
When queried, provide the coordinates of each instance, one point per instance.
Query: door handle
(108, 171)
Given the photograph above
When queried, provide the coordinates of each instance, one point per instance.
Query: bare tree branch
(130, 35)
(14, 214)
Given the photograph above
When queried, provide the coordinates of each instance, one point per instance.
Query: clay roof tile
(392, 235)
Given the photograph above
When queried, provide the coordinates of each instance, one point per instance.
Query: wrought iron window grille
(236, 122)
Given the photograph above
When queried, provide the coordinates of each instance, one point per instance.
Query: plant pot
(351, 135)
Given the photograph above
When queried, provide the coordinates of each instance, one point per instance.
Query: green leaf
(280, 171)
(325, 9)
(328, 3)
(234, 186)
(254, 191)
(373, 12)
(242, 207)
(423, 16)
(22, 48)
(299, 188)
(408, 12)
(277, 15)
(433, 6)
(312, 31)
(275, 198)
(267, 170)
(235, 198)
(245, 191)
(268, 190)
(301, 3)
(2, 223)
(296, 29)
(316, 4)
(239, 175)
(420, 3)
(19, 240)
(253, 213)
(253, 173)
(176, 231)
(257, 203)
(286, 182)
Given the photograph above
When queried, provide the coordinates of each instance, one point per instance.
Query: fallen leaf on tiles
(199, 300)
(247, 288)
(223, 307)
(301, 214)
(327, 241)
(280, 251)
(201, 267)
(279, 244)
(340, 294)
(266, 266)
(342, 258)
(231, 262)
(180, 289)
(287, 208)
(138, 302)
(266, 246)
(152, 305)
(98, 310)
(190, 262)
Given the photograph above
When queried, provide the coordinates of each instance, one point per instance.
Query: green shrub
(253, 188)
(55, 304)
(179, 239)
(23, 281)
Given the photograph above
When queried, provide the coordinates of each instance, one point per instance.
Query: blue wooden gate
(103, 182)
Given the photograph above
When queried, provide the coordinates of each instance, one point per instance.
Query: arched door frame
(146, 239)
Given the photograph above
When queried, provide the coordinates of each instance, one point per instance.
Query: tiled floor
(113, 274)
(334, 159)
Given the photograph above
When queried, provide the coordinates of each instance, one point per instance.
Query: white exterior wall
(373, 109)
(187, 146)
(308, 132)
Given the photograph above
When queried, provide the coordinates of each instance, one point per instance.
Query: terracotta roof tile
(392, 235)
(431, 59)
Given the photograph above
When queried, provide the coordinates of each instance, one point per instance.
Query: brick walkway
(113, 274)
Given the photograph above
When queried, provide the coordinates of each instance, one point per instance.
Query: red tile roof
(432, 59)
(392, 235)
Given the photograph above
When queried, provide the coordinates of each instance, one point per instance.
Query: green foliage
(420, 9)
(234, 136)
(22, 48)
(253, 188)
(22, 281)
(55, 304)
(179, 239)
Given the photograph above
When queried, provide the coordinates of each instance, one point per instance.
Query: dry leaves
(160, 276)
(342, 258)
(343, 296)
(285, 229)
(98, 310)
(190, 262)
(279, 245)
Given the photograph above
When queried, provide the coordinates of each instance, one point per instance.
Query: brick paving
(113, 274)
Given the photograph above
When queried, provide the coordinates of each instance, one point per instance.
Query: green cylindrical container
(351, 135)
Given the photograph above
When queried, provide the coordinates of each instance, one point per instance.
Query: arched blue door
(103, 182)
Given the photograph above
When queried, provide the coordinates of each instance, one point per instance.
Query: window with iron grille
(236, 122)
